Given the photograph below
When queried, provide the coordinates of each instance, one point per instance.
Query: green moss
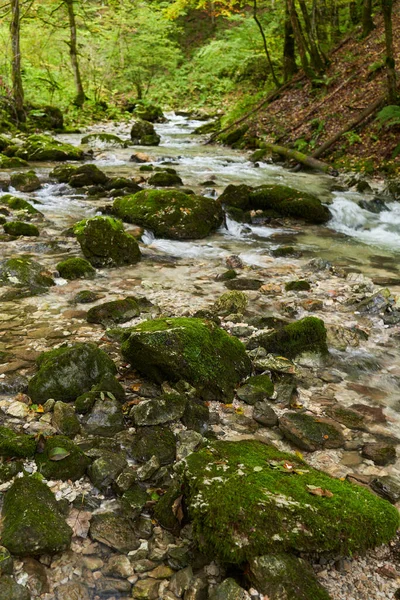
(104, 242)
(289, 202)
(73, 466)
(231, 302)
(85, 297)
(87, 175)
(234, 136)
(244, 503)
(117, 311)
(32, 524)
(25, 274)
(46, 148)
(310, 433)
(196, 351)
(154, 441)
(306, 335)
(75, 268)
(284, 251)
(298, 286)
(171, 213)
(256, 389)
(164, 179)
(16, 203)
(146, 168)
(149, 112)
(144, 134)
(14, 445)
(25, 182)
(17, 228)
(163, 510)
(133, 501)
(63, 173)
(7, 162)
(237, 196)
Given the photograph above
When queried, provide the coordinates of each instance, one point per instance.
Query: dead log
(299, 157)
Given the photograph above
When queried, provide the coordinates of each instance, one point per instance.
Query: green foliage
(389, 116)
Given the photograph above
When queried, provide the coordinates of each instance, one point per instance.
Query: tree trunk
(367, 22)
(73, 52)
(387, 6)
(267, 54)
(289, 56)
(299, 37)
(18, 90)
(316, 59)
(299, 157)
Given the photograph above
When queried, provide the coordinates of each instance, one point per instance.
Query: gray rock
(104, 471)
(388, 487)
(198, 590)
(114, 531)
(381, 453)
(11, 590)
(181, 581)
(188, 442)
(72, 591)
(65, 420)
(229, 590)
(166, 408)
(154, 441)
(105, 418)
(265, 415)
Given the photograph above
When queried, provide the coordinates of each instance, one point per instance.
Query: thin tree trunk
(367, 22)
(299, 37)
(73, 52)
(387, 6)
(18, 90)
(289, 56)
(316, 58)
(299, 157)
(267, 54)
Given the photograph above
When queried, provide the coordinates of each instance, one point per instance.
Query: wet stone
(11, 590)
(382, 454)
(264, 414)
(114, 531)
(388, 487)
(105, 418)
(72, 591)
(348, 417)
(311, 433)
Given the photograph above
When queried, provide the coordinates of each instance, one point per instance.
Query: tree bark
(367, 22)
(289, 55)
(387, 6)
(299, 157)
(299, 37)
(267, 54)
(73, 52)
(316, 59)
(17, 87)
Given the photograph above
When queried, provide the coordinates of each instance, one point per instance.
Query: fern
(389, 116)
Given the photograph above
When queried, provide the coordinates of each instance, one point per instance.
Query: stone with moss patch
(196, 351)
(256, 389)
(236, 196)
(288, 202)
(16, 445)
(67, 372)
(105, 417)
(11, 590)
(381, 453)
(27, 275)
(105, 243)
(105, 469)
(87, 175)
(117, 311)
(164, 409)
(154, 441)
(73, 466)
(347, 416)
(298, 286)
(16, 203)
(231, 302)
(246, 499)
(170, 213)
(25, 182)
(65, 420)
(149, 112)
(114, 531)
(311, 433)
(133, 501)
(32, 523)
(45, 148)
(305, 335)
(285, 577)
(7, 162)
(165, 179)
(17, 228)
(104, 140)
(144, 134)
(63, 173)
(86, 297)
(75, 268)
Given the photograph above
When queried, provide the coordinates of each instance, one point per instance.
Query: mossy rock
(17, 228)
(7, 162)
(105, 418)
(133, 501)
(310, 433)
(237, 196)
(87, 175)
(234, 302)
(157, 411)
(5, 142)
(32, 524)
(103, 140)
(75, 268)
(190, 349)
(154, 441)
(170, 213)
(73, 466)
(25, 182)
(285, 577)
(144, 134)
(243, 283)
(16, 445)
(229, 589)
(105, 469)
(122, 183)
(86, 297)
(348, 417)
(286, 251)
(306, 335)
(11, 590)
(47, 117)
(105, 243)
(298, 286)
(63, 173)
(208, 128)
(117, 311)
(256, 389)
(65, 420)
(164, 179)
(149, 112)
(233, 137)
(25, 274)
(246, 499)
(16, 203)
(108, 386)
(67, 372)
(288, 202)
(45, 148)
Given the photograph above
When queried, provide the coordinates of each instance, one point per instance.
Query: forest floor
(305, 116)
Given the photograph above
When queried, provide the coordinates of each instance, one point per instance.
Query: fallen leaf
(317, 491)
(177, 509)
(57, 454)
(79, 521)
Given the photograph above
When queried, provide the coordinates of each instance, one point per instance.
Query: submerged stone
(32, 523)
(17, 228)
(246, 499)
(117, 311)
(311, 433)
(75, 268)
(25, 274)
(67, 372)
(190, 349)
(170, 213)
(105, 244)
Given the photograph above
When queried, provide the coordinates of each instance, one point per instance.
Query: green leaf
(57, 454)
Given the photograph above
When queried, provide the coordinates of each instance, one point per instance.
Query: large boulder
(305, 335)
(105, 244)
(196, 351)
(26, 275)
(32, 523)
(46, 148)
(247, 499)
(144, 134)
(67, 372)
(170, 213)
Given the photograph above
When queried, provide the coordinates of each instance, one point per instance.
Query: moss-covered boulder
(246, 499)
(25, 182)
(105, 244)
(75, 268)
(117, 311)
(306, 335)
(11, 162)
(16, 203)
(256, 389)
(157, 411)
(87, 175)
(64, 419)
(69, 371)
(236, 196)
(196, 351)
(104, 140)
(165, 179)
(63, 173)
(46, 117)
(61, 459)
(144, 134)
(170, 213)
(234, 302)
(16, 445)
(45, 148)
(149, 112)
(27, 275)
(311, 433)
(285, 577)
(32, 523)
(154, 441)
(18, 228)
(288, 202)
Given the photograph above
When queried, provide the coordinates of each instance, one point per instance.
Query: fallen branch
(299, 157)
